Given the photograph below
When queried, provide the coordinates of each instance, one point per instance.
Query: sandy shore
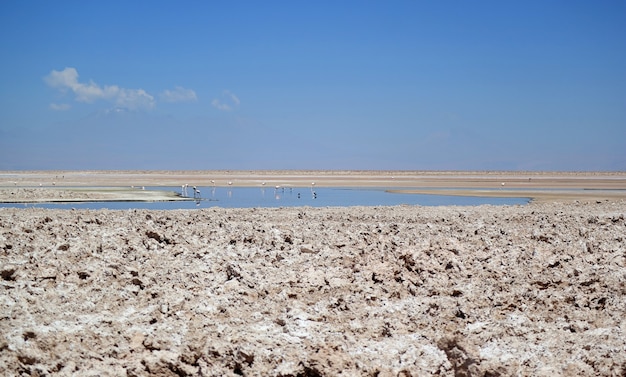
(537, 290)
(536, 194)
(551, 186)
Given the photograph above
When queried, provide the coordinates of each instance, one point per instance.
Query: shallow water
(249, 197)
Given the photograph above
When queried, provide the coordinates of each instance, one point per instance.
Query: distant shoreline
(538, 186)
(538, 195)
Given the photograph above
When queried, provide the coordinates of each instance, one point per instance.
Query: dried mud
(368, 291)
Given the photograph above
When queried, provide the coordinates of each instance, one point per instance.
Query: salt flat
(537, 185)
(537, 289)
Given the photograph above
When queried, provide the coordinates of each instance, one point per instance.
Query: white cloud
(90, 92)
(220, 106)
(233, 97)
(179, 94)
(227, 102)
(134, 99)
(60, 106)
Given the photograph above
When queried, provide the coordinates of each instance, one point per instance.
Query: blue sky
(408, 85)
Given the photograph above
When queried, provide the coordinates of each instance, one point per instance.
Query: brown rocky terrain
(529, 290)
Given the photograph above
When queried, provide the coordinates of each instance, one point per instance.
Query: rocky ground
(390, 291)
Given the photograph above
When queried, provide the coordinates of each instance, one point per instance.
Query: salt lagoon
(251, 197)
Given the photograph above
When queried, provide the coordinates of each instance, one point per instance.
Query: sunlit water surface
(249, 197)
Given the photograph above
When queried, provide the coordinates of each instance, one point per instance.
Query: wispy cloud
(227, 102)
(179, 94)
(60, 106)
(67, 80)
